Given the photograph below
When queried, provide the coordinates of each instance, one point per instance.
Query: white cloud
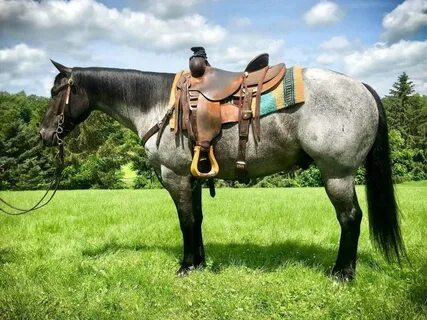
(157, 36)
(24, 67)
(74, 23)
(21, 59)
(337, 43)
(170, 8)
(88, 33)
(334, 49)
(328, 58)
(379, 65)
(245, 47)
(382, 64)
(323, 14)
(406, 19)
(382, 58)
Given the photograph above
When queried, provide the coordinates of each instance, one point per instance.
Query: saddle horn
(198, 62)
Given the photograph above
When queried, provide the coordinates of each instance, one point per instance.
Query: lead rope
(58, 174)
(39, 204)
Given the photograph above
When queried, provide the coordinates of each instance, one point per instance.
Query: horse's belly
(278, 149)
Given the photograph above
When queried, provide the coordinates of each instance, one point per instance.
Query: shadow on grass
(418, 291)
(250, 255)
(6, 255)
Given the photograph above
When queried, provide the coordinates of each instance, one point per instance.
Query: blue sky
(373, 41)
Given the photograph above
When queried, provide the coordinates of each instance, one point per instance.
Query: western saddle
(207, 97)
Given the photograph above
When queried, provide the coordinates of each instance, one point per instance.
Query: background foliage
(98, 150)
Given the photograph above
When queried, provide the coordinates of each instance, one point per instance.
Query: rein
(59, 159)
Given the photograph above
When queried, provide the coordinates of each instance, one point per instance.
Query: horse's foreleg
(343, 196)
(186, 193)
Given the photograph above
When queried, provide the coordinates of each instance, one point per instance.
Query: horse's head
(68, 106)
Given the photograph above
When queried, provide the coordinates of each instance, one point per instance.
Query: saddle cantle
(207, 97)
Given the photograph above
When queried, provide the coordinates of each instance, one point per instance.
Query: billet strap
(173, 106)
(174, 121)
(158, 127)
(244, 123)
(256, 123)
(185, 104)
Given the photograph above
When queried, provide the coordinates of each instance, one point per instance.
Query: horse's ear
(62, 69)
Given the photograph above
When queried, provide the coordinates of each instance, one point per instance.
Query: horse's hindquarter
(338, 123)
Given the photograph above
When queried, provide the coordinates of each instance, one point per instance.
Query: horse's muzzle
(48, 137)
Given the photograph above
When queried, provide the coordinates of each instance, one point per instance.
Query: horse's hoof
(185, 270)
(200, 265)
(343, 274)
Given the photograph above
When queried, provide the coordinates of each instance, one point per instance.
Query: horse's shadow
(7, 255)
(267, 257)
(418, 290)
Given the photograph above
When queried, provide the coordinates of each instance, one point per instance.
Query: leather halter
(60, 129)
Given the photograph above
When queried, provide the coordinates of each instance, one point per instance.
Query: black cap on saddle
(199, 52)
(198, 62)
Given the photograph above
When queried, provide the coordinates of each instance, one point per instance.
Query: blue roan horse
(340, 126)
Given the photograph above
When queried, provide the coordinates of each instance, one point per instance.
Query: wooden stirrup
(194, 164)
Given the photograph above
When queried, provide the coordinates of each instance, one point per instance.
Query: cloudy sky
(371, 40)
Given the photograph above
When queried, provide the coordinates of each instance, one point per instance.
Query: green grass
(129, 175)
(101, 254)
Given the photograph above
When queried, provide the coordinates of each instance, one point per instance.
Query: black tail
(383, 210)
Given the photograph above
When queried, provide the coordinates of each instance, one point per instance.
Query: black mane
(133, 87)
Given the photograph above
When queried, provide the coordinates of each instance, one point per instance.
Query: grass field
(101, 254)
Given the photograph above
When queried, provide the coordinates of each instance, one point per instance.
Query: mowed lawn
(104, 254)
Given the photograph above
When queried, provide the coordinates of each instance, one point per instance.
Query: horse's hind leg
(186, 193)
(343, 196)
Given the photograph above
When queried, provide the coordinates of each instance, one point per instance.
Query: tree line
(97, 150)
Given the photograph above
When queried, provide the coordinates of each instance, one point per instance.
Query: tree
(417, 122)
(398, 104)
(407, 119)
(25, 165)
(402, 88)
(94, 152)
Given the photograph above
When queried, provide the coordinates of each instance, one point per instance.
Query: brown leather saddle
(207, 97)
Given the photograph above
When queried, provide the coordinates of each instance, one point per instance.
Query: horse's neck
(128, 115)
(136, 99)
